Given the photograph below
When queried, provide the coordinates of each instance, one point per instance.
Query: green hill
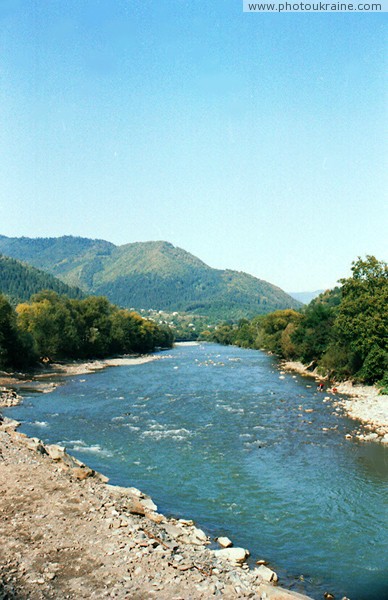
(19, 281)
(150, 275)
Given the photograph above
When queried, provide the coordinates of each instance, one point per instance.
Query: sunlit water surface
(216, 434)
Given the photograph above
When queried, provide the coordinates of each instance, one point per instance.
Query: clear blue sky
(254, 141)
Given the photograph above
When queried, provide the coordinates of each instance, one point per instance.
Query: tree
(362, 322)
(16, 348)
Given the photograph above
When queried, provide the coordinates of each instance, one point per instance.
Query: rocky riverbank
(363, 403)
(66, 533)
(12, 384)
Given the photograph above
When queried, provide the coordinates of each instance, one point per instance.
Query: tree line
(54, 327)
(343, 332)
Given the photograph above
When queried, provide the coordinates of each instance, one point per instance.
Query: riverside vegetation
(343, 332)
(53, 327)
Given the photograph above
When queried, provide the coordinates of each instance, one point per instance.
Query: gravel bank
(364, 403)
(67, 534)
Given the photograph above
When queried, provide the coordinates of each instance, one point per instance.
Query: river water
(218, 435)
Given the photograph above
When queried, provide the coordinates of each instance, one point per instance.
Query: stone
(172, 530)
(235, 555)
(269, 592)
(266, 574)
(101, 477)
(82, 473)
(155, 517)
(36, 445)
(149, 504)
(56, 452)
(224, 542)
(135, 507)
(370, 436)
(384, 439)
(9, 424)
(200, 535)
(187, 522)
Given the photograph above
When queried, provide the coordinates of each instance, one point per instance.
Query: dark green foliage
(89, 328)
(150, 275)
(314, 331)
(57, 327)
(362, 321)
(19, 281)
(16, 347)
(344, 331)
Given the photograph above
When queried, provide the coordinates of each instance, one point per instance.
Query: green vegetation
(150, 275)
(56, 327)
(344, 331)
(19, 282)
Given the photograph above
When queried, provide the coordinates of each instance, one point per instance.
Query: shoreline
(174, 545)
(12, 383)
(364, 403)
(92, 539)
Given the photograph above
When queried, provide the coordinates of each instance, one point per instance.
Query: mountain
(305, 297)
(149, 275)
(19, 281)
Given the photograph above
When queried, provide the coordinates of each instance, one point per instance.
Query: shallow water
(216, 434)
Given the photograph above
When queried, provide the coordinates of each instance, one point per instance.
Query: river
(218, 435)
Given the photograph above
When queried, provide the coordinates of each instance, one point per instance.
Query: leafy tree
(362, 322)
(16, 348)
(314, 331)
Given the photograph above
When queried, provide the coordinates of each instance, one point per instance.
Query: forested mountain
(149, 275)
(19, 281)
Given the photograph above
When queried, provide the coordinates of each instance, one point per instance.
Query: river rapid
(219, 435)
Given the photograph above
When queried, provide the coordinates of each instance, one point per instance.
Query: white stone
(149, 504)
(266, 573)
(236, 555)
(224, 542)
(56, 452)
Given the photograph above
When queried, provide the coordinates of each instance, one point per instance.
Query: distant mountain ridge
(19, 281)
(305, 297)
(149, 275)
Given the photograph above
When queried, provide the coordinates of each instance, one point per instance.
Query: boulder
(172, 530)
(224, 542)
(56, 452)
(36, 445)
(266, 574)
(135, 507)
(9, 424)
(235, 555)
(200, 535)
(275, 593)
(149, 504)
(155, 517)
(82, 473)
(101, 477)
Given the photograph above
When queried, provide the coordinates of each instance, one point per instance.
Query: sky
(255, 141)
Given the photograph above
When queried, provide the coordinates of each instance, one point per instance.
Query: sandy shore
(66, 533)
(12, 385)
(363, 403)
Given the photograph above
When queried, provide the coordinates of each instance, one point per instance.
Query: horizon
(238, 137)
